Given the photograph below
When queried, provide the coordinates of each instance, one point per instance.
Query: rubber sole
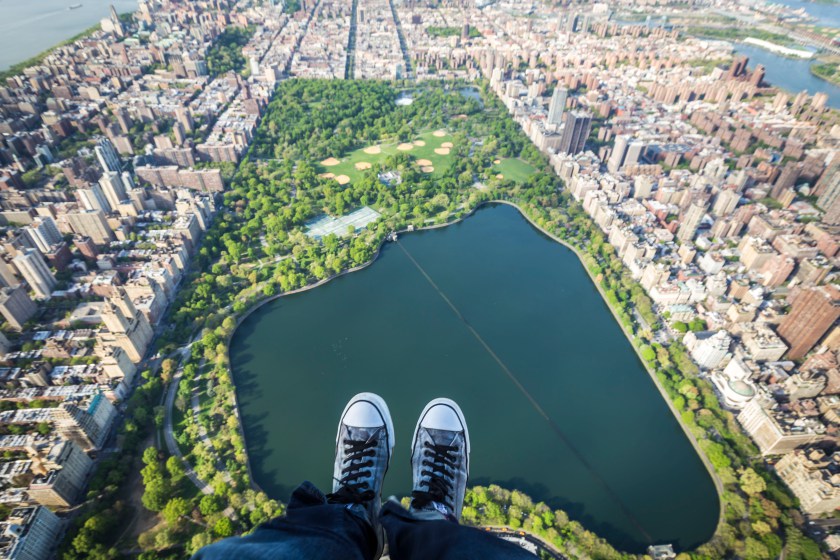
(454, 406)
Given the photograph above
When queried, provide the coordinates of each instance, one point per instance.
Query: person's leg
(343, 524)
(440, 466)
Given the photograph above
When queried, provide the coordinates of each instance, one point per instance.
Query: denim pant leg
(312, 529)
(430, 536)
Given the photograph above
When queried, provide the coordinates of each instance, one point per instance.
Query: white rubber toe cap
(442, 417)
(362, 414)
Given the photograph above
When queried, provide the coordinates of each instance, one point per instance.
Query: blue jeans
(315, 530)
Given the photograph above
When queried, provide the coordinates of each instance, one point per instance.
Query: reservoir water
(790, 74)
(28, 28)
(607, 449)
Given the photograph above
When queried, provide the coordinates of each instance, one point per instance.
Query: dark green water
(612, 454)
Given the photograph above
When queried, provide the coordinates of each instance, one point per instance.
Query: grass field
(514, 169)
(349, 161)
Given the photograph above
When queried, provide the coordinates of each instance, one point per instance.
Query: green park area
(515, 169)
(432, 152)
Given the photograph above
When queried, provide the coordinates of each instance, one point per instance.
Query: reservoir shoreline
(240, 318)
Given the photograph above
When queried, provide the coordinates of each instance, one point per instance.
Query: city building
(60, 475)
(29, 533)
(708, 349)
(813, 311)
(557, 106)
(128, 328)
(35, 271)
(813, 477)
(575, 132)
(85, 422)
(691, 221)
(16, 306)
(776, 431)
(91, 224)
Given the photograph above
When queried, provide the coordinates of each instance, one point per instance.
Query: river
(29, 28)
(825, 13)
(610, 451)
(791, 74)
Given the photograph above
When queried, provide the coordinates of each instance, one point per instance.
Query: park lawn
(514, 169)
(349, 161)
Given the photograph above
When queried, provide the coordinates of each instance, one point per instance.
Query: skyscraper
(129, 329)
(813, 311)
(113, 187)
(94, 198)
(35, 271)
(16, 306)
(575, 132)
(726, 201)
(618, 153)
(43, 233)
(828, 188)
(634, 152)
(691, 220)
(91, 223)
(107, 156)
(557, 106)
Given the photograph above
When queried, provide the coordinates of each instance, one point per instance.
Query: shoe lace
(439, 459)
(354, 485)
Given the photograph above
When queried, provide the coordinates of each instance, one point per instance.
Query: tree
(210, 504)
(156, 494)
(199, 541)
(167, 369)
(223, 527)
(175, 509)
(751, 483)
(176, 469)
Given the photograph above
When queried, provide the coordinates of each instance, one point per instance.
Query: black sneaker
(440, 457)
(363, 449)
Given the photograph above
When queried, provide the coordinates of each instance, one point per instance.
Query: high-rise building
(29, 533)
(35, 271)
(643, 186)
(813, 311)
(691, 221)
(7, 275)
(708, 349)
(43, 233)
(108, 158)
(575, 132)
(810, 474)
(184, 117)
(112, 186)
(634, 152)
(828, 188)
(16, 306)
(619, 151)
(86, 423)
(726, 202)
(128, 328)
(92, 224)
(61, 472)
(5, 345)
(787, 179)
(557, 106)
(94, 198)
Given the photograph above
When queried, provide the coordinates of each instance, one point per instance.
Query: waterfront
(29, 28)
(790, 74)
(825, 13)
(612, 453)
